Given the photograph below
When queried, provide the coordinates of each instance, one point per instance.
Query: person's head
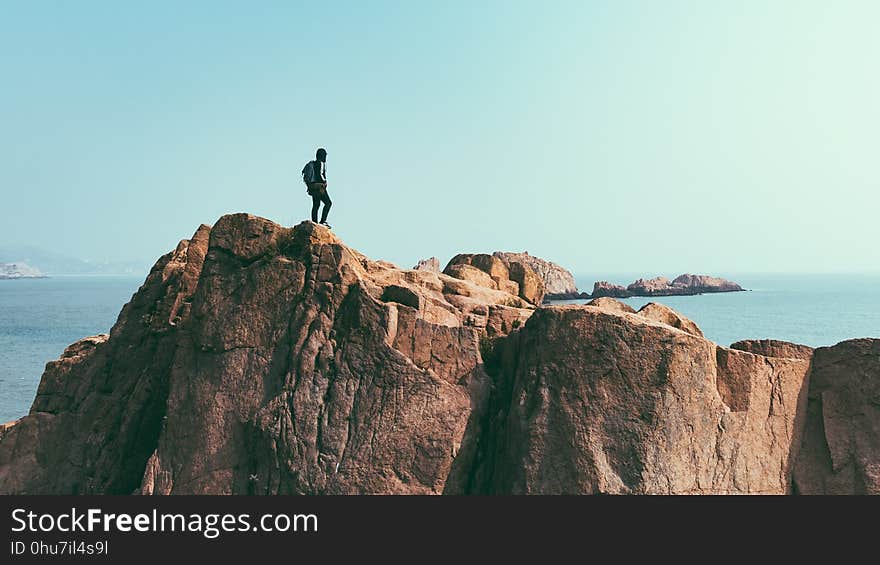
(321, 155)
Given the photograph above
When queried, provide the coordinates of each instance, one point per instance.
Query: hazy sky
(654, 137)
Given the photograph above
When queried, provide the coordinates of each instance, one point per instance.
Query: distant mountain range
(55, 263)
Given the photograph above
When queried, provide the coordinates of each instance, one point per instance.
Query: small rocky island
(9, 271)
(682, 285)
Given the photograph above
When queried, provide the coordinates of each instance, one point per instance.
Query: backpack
(309, 173)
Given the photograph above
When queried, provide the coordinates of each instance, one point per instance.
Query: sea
(40, 317)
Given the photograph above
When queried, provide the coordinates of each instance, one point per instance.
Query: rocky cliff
(269, 360)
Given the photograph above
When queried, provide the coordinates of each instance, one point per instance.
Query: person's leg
(327, 203)
(316, 203)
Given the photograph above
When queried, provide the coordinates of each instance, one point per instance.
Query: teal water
(814, 310)
(39, 318)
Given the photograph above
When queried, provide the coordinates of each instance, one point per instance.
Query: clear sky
(654, 137)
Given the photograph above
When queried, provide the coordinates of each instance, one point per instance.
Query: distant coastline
(682, 285)
(16, 271)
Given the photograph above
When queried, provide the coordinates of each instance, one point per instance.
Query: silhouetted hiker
(315, 177)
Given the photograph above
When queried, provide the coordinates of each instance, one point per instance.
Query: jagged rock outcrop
(512, 277)
(649, 287)
(699, 284)
(682, 285)
(840, 453)
(431, 264)
(605, 289)
(262, 359)
(558, 282)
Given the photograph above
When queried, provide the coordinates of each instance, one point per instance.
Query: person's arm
(323, 171)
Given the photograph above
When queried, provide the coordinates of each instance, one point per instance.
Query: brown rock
(518, 279)
(432, 265)
(472, 274)
(666, 315)
(774, 348)
(611, 305)
(705, 283)
(649, 287)
(558, 282)
(504, 319)
(840, 453)
(683, 285)
(259, 359)
(263, 359)
(531, 288)
(603, 289)
(491, 265)
(588, 401)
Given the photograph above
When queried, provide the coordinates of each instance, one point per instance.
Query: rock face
(666, 315)
(19, 271)
(606, 289)
(840, 453)
(558, 282)
(432, 264)
(263, 359)
(591, 401)
(512, 277)
(259, 359)
(774, 348)
(683, 285)
(704, 283)
(612, 305)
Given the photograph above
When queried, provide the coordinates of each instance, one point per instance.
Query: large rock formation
(681, 285)
(605, 289)
(262, 359)
(840, 453)
(558, 282)
(703, 283)
(512, 277)
(592, 400)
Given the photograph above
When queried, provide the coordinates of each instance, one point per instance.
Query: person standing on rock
(315, 177)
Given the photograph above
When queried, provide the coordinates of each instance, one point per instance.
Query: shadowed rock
(840, 453)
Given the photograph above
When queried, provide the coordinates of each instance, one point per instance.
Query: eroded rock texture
(263, 359)
(269, 360)
(590, 400)
(841, 448)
